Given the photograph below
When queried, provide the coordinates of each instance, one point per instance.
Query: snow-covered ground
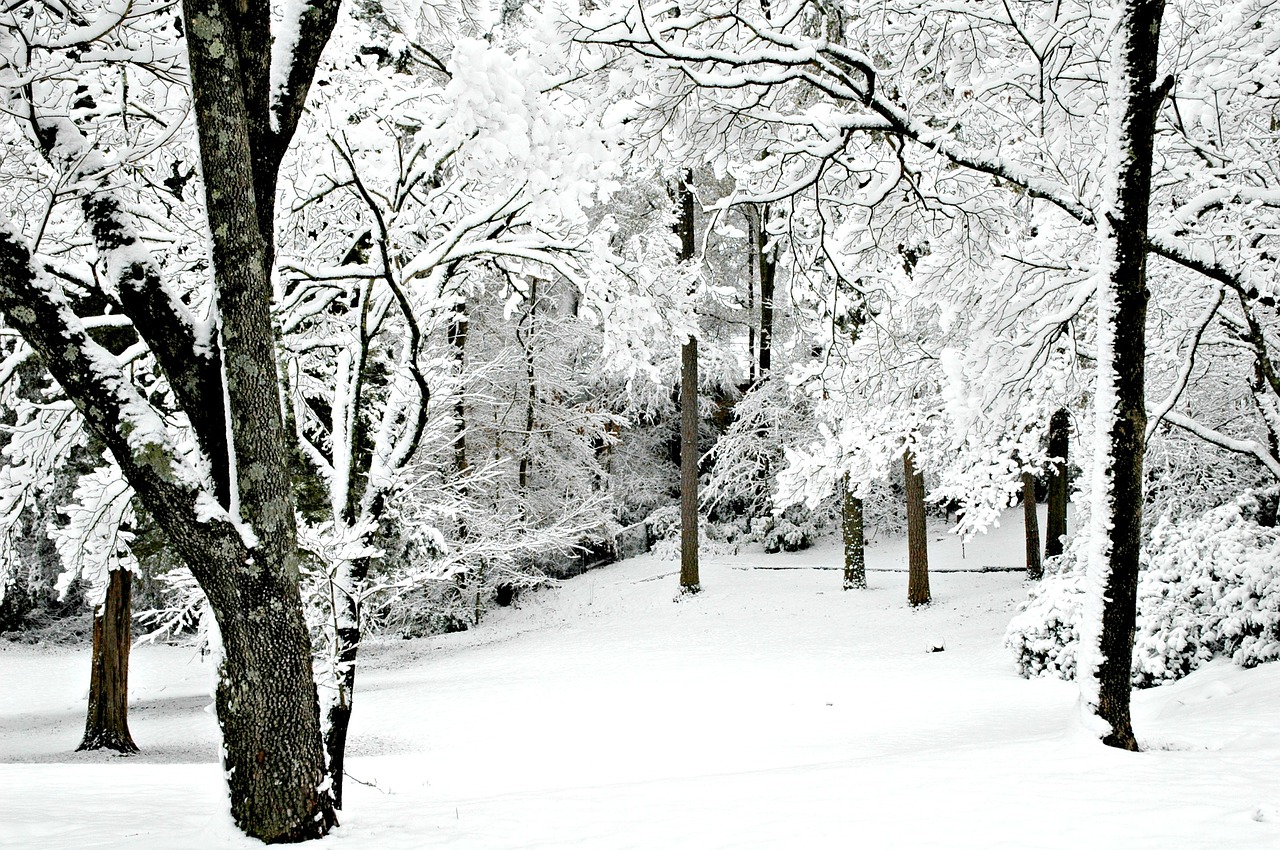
(771, 711)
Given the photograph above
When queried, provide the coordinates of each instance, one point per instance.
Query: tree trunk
(347, 618)
(855, 556)
(689, 581)
(753, 252)
(1056, 522)
(1031, 526)
(266, 696)
(107, 724)
(268, 711)
(768, 276)
(917, 534)
(457, 333)
(524, 334)
(1106, 639)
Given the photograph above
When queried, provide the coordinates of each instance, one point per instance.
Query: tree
(107, 723)
(882, 106)
(199, 473)
(1135, 100)
(917, 533)
(689, 455)
(1056, 522)
(852, 534)
(1031, 527)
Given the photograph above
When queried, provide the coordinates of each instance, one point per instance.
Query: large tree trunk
(1106, 639)
(107, 724)
(689, 581)
(1031, 527)
(851, 527)
(268, 710)
(917, 534)
(266, 696)
(1056, 522)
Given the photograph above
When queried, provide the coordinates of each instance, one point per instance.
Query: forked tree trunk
(1056, 521)
(917, 535)
(851, 527)
(1031, 526)
(107, 725)
(689, 581)
(1106, 639)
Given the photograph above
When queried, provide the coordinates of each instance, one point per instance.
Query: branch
(172, 489)
(1204, 432)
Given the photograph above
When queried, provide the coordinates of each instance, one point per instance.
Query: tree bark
(107, 724)
(458, 326)
(689, 579)
(266, 696)
(917, 534)
(768, 270)
(1031, 527)
(1056, 522)
(851, 527)
(1107, 629)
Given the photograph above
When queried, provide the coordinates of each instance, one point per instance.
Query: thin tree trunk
(768, 276)
(851, 527)
(1056, 522)
(531, 391)
(917, 534)
(457, 333)
(689, 581)
(1106, 640)
(107, 724)
(347, 617)
(753, 241)
(1031, 526)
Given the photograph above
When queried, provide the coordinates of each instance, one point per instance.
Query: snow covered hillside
(771, 711)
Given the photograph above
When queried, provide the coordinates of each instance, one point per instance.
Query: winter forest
(638, 423)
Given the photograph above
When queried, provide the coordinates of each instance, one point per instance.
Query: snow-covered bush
(1210, 587)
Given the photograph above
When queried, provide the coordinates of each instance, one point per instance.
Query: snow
(772, 710)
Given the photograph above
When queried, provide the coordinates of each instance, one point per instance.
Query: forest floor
(770, 711)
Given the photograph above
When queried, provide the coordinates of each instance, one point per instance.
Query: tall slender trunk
(531, 390)
(917, 534)
(768, 276)
(1056, 522)
(107, 724)
(347, 619)
(1106, 639)
(1031, 527)
(689, 580)
(457, 333)
(851, 527)
(753, 242)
